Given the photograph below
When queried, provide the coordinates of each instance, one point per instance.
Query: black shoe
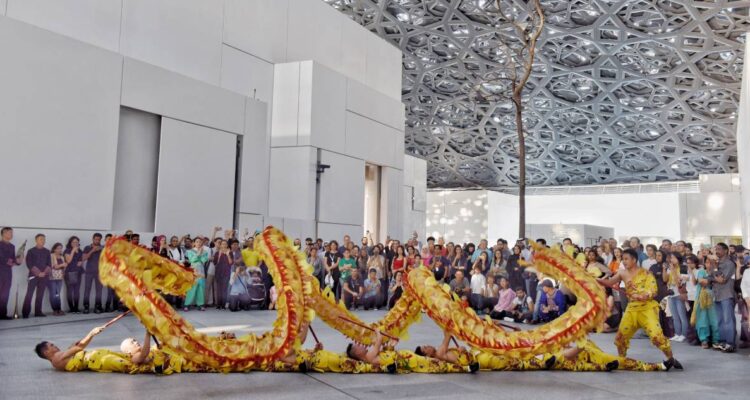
(85, 310)
(550, 362)
(613, 365)
(40, 315)
(474, 367)
(303, 367)
(391, 368)
(97, 311)
(677, 364)
(728, 348)
(5, 318)
(107, 309)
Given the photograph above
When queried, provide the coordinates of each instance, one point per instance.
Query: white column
(743, 148)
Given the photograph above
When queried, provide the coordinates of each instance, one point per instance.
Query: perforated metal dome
(622, 91)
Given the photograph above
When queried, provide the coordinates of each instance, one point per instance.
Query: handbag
(328, 280)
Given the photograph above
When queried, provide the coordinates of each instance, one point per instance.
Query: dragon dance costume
(642, 312)
(103, 360)
(140, 278)
(160, 362)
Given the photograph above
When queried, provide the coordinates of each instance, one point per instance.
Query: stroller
(257, 291)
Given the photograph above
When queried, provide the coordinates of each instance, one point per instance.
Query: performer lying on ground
(59, 358)
(460, 356)
(587, 356)
(383, 357)
(642, 311)
(134, 358)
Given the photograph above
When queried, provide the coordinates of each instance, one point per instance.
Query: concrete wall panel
(292, 183)
(195, 192)
(91, 21)
(342, 190)
(59, 112)
(159, 91)
(180, 35)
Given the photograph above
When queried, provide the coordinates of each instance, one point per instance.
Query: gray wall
(127, 114)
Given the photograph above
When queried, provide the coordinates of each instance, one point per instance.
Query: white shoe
(681, 338)
(675, 338)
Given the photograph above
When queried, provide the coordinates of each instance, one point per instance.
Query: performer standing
(642, 311)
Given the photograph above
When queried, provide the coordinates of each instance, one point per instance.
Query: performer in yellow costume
(457, 355)
(642, 311)
(133, 359)
(481, 360)
(587, 356)
(383, 357)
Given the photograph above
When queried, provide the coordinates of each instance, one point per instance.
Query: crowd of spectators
(699, 290)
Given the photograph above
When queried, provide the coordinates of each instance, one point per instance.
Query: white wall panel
(255, 160)
(181, 35)
(502, 217)
(246, 74)
(711, 214)
(159, 91)
(458, 216)
(292, 183)
(285, 113)
(719, 183)
(342, 190)
(276, 222)
(136, 174)
(328, 110)
(354, 54)
(59, 111)
(412, 220)
(337, 232)
(371, 103)
(400, 150)
(196, 178)
(258, 27)
(299, 229)
(383, 67)
(643, 214)
(251, 222)
(408, 170)
(370, 140)
(420, 184)
(305, 103)
(314, 33)
(743, 148)
(92, 21)
(390, 203)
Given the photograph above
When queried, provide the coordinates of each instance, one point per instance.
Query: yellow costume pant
(103, 360)
(404, 361)
(645, 315)
(592, 358)
(492, 362)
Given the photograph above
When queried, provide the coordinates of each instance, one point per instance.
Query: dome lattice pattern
(622, 90)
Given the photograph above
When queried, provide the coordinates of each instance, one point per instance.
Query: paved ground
(708, 374)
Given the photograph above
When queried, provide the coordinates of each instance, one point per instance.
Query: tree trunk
(521, 166)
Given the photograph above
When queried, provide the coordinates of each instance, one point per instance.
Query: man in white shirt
(651, 257)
